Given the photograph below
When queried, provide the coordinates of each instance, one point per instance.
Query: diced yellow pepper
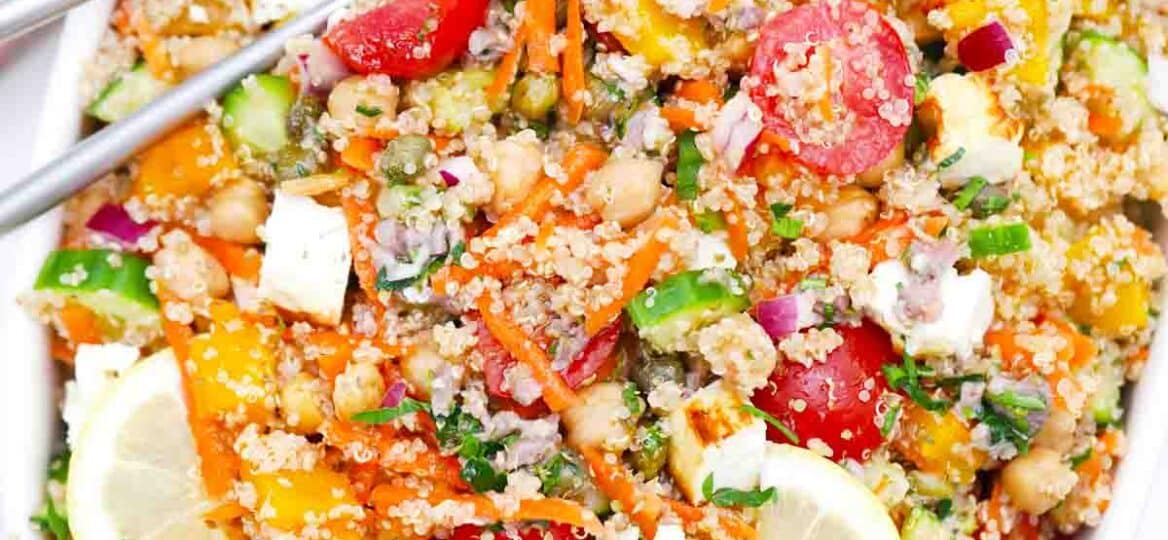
(966, 14)
(1035, 68)
(291, 499)
(1132, 295)
(659, 36)
(233, 367)
(938, 444)
(183, 163)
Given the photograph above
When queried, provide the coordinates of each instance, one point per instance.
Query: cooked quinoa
(590, 268)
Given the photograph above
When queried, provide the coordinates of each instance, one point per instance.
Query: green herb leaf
(813, 283)
(948, 382)
(944, 508)
(1017, 401)
(632, 399)
(969, 191)
(710, 221)
(735, 497)
(789, 228)
(689, 163)
(990, 205)
(51, 520)
(366, 110)
(1005, 427)
(766, 417)
(952, 159)
(385, 415)
(999, 240)
(780, 210)
(481, 476)
(906, 378)
(890, 418)
(921, 87)
(1079, 459)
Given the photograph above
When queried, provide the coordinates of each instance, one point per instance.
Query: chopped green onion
(814, 283)
(990, 205)
(689, 162)
(961, 379)
(969, 191)
(1000, 240)
(366, 110)
(780, 210)
(906, 378)
(766, 417)
(1018, 401)
(789, 228)
(921, 87)
(710, 221)
(890, 418)
(952, 159)
(630, 398)
(736, 497)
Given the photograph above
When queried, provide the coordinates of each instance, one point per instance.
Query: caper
(653, 371)
(534, 95)
(605, 98)
(404, 158)
(650, 445)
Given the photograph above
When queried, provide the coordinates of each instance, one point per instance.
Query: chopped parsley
(459, 431)
(766, 417)
(631, 399)
(710, 221)
(689, 163)
(906, 377)
(780, 210)
(952, 159)
(384, 415)
(736, 497)
(921, 87)
(944, 508)
(1019, 402)
(969, 191)
(788, 228)
(366, 110)
(1006, 427)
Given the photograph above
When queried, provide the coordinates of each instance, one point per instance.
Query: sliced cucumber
(126, 94)
(922, 524)
(255, 112)
(1106, 401)
(1116, 74)
(110, 283)
(683, 302)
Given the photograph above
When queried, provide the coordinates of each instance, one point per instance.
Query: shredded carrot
(643, 507)
(361, 216)
(1104, 125)
(239, 260)
(640, 269)
(79, 323)
(825, 104)
(699, 91)
(934, 225)
(361, 153)
(60, 349)
(580, 160)
(556, 393)
(730, 522)
(153, 51)
(737, 230)
(541, 21)
(681, 118)
(440, 142)
(225, 512)
(508, 67)
(778, 141)
(333, 352)
(573, 63)
(218, 462)
(429, 463)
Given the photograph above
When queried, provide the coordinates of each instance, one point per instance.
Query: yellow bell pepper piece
(1035, 68)
(966, 14)
(291, 499)
(1132, 295)
(658, 36)
(938, 444)
(233, 367)
(1130, 310)
(184, 163)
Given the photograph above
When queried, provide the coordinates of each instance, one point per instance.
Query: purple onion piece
(449, 178)
(985, 47)
(779, 316)
(113, 221)
(394, 395)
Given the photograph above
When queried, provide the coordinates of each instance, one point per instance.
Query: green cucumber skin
(922, 525)
(685, 301)
(1105, 403)
(122, 292)
(1113, 64)
(255, 112)
(126, 94)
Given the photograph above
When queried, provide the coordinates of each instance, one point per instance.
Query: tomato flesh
(410, 39)
(833, 401)
(850, 124)
(597, 359)
(553, 531)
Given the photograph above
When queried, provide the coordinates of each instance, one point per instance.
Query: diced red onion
(779, 316)
(738, 124)
(112, 220)
(449, 178)
(320, 69)
(985, 47)
(457, 169)
(394, 394)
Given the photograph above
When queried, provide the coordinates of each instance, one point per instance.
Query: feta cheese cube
(266, 11)
(306, 263)
(711, 252)
(95, 367)
(970, 123)
(967, 310)
(711, 434)
(670, 531)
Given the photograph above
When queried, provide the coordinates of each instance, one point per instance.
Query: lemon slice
(818, 500)
(135, 472)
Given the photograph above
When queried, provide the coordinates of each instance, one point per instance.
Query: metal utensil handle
(19, 16)
(108, 148)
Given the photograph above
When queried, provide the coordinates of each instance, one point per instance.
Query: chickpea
(874, 177)
(626, 190)
(1058, 432)
(237, 210)
(202, 52)
(419, 367)
(596, 422)
(1037, 481)
(359, 102)
(188, 271)
(300, 404)
(518, 166)
(359, 388)
(854, 210)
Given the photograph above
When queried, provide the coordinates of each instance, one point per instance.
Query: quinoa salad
(615, 269)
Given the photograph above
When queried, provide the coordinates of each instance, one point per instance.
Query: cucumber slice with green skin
(665, 313)
(1105, 402)
(1119, 71)
(255, 112)
(112, 284)
(126, 94)
(922, 524)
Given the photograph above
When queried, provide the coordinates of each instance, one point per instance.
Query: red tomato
(844, 42)
(411, 39)
(554, 531)
(835, 400)
(496, 362)
(598, 358)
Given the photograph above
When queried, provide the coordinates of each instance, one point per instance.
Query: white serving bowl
(30, 389)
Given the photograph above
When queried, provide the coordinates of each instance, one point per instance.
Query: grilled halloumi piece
(711, 434)
(973, 136)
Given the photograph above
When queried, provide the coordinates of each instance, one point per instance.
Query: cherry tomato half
(833, 401)
(854, 121)
(554, 531)
(597, 359)
(411, 39)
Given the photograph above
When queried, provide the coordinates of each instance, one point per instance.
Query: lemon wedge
(135, 472)
(818, 500)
